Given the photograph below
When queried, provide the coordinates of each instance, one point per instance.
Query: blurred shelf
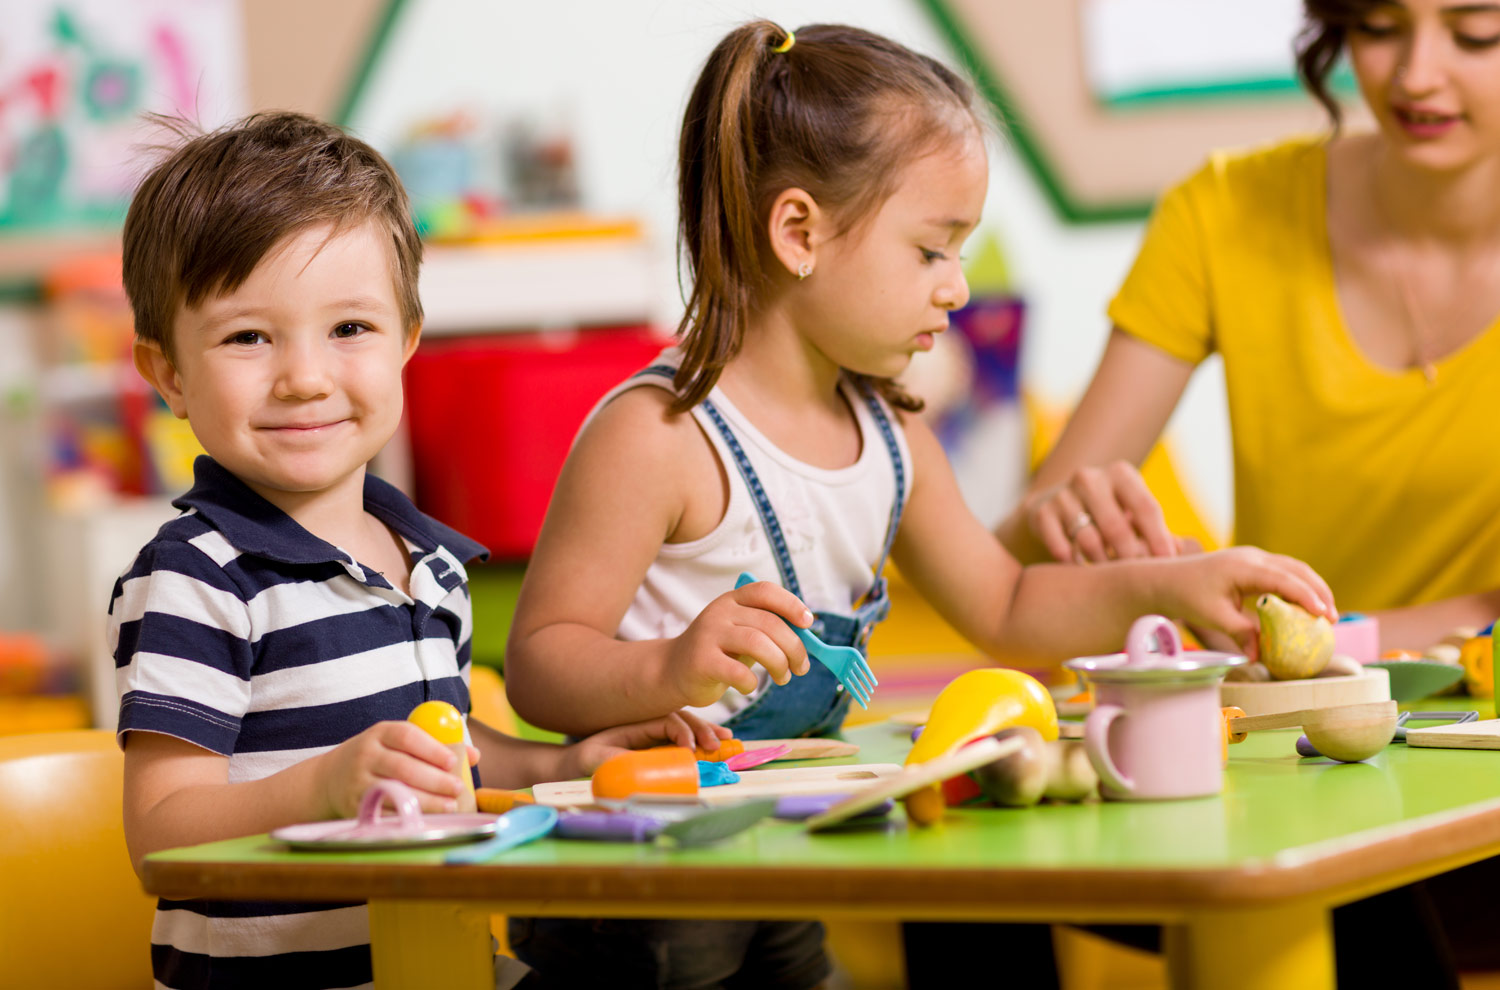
(531, 284)
(26, 256)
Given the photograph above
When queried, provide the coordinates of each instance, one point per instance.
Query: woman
(1351, 283)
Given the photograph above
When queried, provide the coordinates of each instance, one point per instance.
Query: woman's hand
(1099, 514)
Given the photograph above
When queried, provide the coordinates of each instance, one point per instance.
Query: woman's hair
(1325, 29)
(838, 113)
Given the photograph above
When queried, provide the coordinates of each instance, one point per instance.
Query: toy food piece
(1341, 666)
(727, 748)
(1070, 775)
(497, 801)
(442, 722)
(1476, 657)
(974, 704)
(1293, 642)
(1248, 673)
(663, 770)
(1016, 780)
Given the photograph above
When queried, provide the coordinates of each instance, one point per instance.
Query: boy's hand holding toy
(679, 728)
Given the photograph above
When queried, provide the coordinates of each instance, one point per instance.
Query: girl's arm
(1094, 466)
(1048, 612)
(637, 478)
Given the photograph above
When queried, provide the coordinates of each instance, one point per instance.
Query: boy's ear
(154, 365)
(797, 227)
(410, 347)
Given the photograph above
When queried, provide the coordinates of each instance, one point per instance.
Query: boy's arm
(1048, 612)
(508, 762)
(623, 492)
(178, 793)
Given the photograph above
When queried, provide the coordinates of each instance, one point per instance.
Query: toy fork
(848, 664)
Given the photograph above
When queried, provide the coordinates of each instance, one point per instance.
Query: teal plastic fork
(848, 664)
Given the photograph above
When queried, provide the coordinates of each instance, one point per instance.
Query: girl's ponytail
(717, 226)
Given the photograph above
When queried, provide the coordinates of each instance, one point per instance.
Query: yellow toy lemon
(974, 704)
(439, 720)
(442, 722)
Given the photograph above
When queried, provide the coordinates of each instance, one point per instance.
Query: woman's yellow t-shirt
(1388, 486)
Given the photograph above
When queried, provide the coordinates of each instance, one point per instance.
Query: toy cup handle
(1096, 744)
(1137, 648)
(408, 808)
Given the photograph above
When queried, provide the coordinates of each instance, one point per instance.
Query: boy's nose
(302, 374)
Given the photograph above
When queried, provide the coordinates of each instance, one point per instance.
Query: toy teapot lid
(1167, 663)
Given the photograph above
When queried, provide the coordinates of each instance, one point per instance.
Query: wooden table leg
(1253, 949)
(422, 944)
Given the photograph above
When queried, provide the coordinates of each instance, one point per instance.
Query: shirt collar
(255, 526)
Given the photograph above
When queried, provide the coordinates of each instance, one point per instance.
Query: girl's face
(882, 292)
(1430, 72)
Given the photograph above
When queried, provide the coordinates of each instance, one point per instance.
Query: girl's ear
(797, 228)
(154, 365)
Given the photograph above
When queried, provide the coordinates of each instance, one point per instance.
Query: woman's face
(1430, 72)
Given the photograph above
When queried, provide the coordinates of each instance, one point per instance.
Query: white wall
(620, 71)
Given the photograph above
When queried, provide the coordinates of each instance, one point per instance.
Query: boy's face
(293, 381)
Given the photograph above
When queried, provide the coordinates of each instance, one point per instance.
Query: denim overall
(815, 703)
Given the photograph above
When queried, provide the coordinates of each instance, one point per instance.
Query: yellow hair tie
(791, 39)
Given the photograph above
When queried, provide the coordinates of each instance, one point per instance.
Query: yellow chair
(72, 913)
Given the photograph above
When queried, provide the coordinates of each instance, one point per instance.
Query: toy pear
(1294, 643)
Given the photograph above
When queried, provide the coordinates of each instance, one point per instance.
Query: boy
(270, 641)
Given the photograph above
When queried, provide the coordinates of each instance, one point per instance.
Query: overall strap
(763, 508)
(883, 422)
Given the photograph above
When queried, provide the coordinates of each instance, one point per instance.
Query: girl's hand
(680, 728)
(388, 751)
(738, 628)
(1099, 514)
(1209, 591)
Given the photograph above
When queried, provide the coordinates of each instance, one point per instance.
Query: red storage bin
(491, 419)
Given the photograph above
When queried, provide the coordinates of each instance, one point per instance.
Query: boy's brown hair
(837, 111)
(204, 217)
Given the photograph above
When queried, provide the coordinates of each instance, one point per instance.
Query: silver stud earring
(804, 270)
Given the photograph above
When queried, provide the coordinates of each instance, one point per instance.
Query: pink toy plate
(372, 831)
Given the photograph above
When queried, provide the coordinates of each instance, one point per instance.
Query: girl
(827, 180)
(826, 184)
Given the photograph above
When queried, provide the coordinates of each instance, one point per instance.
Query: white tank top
(834, 522)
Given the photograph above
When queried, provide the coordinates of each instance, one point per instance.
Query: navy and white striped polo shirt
(241, 632)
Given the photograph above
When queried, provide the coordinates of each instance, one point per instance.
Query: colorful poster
(77, 79)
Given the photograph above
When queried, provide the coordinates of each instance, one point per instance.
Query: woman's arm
(1417, 627)
(1094, 466)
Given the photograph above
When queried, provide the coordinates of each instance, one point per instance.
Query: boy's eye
(246, 337)
(929, 255)
(349, 329)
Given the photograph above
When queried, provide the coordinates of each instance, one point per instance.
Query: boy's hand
(388, 751)
(737, 629)
(679, 728)
(1209, 591)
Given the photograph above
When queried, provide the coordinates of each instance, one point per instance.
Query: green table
(1244, 881)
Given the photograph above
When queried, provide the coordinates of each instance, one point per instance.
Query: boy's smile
(293, 380)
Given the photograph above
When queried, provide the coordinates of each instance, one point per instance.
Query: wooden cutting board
(753, 784)
(805, 749)
(1273, 697)
(1465, 735)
